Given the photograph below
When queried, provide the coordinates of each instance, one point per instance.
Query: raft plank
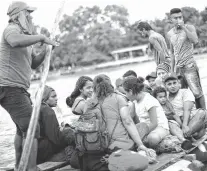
(6, 169)
(183, 165)
(49, 166)
(67, 168)
(166, 159)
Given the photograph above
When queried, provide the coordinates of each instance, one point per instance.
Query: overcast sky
(138, 9)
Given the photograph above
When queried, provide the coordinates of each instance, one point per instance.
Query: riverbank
(105, 66)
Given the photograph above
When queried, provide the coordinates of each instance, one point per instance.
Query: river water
(64, 86)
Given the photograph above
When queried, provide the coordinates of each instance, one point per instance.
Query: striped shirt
(156, 38)
(182, 47)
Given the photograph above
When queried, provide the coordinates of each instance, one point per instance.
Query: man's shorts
(16, 101)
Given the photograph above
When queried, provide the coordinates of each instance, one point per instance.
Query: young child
(174, 121)
(151, 79)
(162, 71)
(119, 87)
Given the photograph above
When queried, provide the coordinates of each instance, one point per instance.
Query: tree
(45, 31)
(204, 15)
(104, 38)
(92, 56)
(81, 19)
(94, 30)
(190, 14)
(118, 15)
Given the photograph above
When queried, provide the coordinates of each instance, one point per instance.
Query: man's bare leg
(197, 123)
(199, 134)
(200, 102)
(18, 149)
(176, 131)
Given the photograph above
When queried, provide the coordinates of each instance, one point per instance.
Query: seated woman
(151, 80)
(120, 125)
(148, 111)
(82, 91)
(52, 140)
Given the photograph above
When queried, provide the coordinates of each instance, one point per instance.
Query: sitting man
(192, 120)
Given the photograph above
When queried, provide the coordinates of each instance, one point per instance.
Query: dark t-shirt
(49, 126)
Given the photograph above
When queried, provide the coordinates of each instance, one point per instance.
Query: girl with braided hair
(148, 111)
(82, 91)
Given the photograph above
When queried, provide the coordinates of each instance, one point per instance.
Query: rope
(35, 113)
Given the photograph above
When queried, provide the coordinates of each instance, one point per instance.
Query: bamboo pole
(35, 113)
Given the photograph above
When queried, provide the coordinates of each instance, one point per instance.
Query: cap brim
(31, 9)
(170, 78)
(149, 76)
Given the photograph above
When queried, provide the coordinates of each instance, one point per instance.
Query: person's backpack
(91, 133)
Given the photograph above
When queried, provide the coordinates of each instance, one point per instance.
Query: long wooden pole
(36, 109)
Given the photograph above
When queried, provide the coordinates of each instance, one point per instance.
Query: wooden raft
(166, 159)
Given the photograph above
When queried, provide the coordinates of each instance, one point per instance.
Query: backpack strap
(106, 122)
(76, 113)
(113, 131)
(116, 120)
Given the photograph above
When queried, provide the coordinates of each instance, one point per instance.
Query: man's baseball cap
(170, 77)
(18, 6)
(151, 75)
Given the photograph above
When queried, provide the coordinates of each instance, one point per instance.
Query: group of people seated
(145, 115)
(184, 118)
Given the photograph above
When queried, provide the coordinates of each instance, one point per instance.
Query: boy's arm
(177, 119)
(159, 49)
(191, 33)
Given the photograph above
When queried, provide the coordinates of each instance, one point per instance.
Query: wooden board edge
(56, 166)
(204, 138)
